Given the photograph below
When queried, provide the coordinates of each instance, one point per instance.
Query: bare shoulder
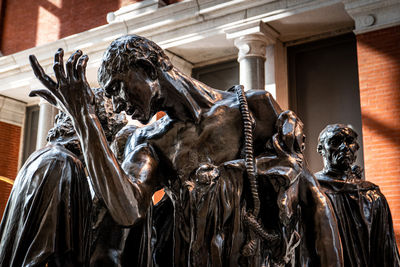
(119, 145)
(259, 101)
(254, 98)
(263, 101)
(265, 111)
(151, 133)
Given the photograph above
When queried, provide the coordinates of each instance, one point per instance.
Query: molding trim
(133, 10)
(254, 27)
(12, 111)
(170, 26)
(373, 15)
(180, 63)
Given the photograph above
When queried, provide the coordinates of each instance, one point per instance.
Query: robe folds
(200, 225)
(203, 223)
(364, 220)
(48, 213)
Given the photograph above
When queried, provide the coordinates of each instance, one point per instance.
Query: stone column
(281, 75)
(46, 120)
(252, 40)
(251, 59)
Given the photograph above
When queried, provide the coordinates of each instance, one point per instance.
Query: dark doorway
(323, 80)
(221, 76)
(30, 131)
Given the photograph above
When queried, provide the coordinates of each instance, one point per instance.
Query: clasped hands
(71, 92)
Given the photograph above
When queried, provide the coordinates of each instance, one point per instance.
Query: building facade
(331, 61)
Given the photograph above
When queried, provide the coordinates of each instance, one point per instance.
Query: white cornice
(12, 111)
(372, 15)
(133, 10)
(170, 26)
(254, 27)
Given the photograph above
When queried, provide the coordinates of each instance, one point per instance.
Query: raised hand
(71, 92)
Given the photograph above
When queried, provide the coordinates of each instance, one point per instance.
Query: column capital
(373, 15)
(251, 45)
(252, 38)
(43, 102)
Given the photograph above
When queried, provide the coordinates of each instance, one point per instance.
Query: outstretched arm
(126, 199)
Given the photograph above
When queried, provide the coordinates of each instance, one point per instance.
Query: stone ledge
(171, 26)
(373, 15)
(12, 111)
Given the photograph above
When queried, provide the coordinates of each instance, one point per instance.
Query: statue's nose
(118, 104)
(344, 147)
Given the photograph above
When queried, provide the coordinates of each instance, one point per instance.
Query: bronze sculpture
(362, 212)
(230, 163)
(48, 215)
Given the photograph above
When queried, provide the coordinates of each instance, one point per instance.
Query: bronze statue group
(237, 189)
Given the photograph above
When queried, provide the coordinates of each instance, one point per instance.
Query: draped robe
(364, 220)
(48, 212)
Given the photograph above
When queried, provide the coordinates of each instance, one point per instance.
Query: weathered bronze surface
(47, 215)
(362, 212)
(237, 189)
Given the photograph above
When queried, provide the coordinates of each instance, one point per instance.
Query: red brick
(379, 75)
(22, 20)
(57, 19)
(9, 154)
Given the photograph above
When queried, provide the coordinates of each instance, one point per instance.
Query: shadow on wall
(389, 132)
(29, 23)
(33, 22)
(379, 73)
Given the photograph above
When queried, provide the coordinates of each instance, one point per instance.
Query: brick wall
(9, 149)
(9, 153)
(28, 23)
(5, 190)
(379, 73)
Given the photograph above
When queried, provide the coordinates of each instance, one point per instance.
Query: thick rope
(248, 149)
(251, 217)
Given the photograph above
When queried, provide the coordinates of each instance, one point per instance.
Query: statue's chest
(216, 139)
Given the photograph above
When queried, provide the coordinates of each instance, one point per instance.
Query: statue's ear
(148, 67)
(288, 132)
(357, 146)
(319, 149)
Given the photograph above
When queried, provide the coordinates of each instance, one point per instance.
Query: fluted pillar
(252, 50)
(46, 120)
(252, 40)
